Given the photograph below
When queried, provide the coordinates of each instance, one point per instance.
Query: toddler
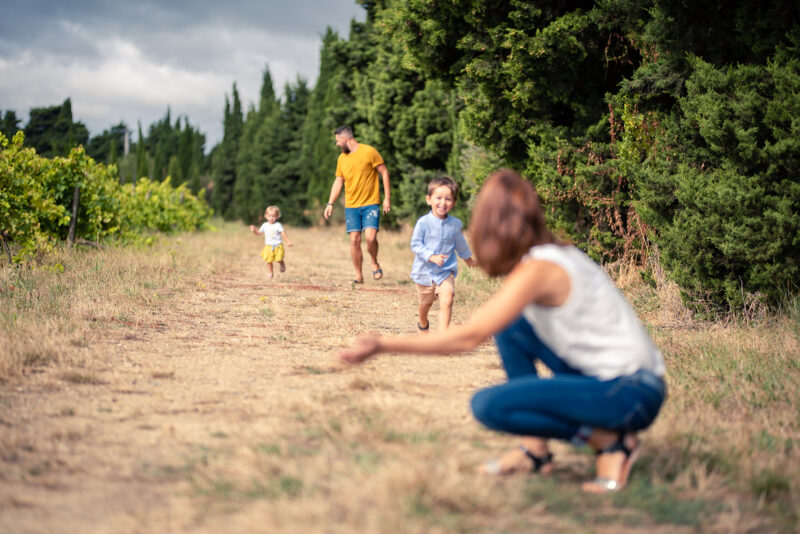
(274, 235)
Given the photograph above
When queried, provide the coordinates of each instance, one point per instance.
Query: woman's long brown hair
(506, 222)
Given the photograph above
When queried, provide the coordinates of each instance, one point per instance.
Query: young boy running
(436, 236)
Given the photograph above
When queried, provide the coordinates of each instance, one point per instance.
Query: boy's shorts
(357, 219)
(427, 294)
(272, 253)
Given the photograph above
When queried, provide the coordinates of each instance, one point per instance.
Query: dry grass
(175, 389)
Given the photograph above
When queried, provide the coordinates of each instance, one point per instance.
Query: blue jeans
(567, 405)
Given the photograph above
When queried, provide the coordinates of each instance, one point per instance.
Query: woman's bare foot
(520, 460)
(613, 466)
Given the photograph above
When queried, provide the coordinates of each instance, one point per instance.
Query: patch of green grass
(39, 469)
(268, 448)
(417, 505)
(85, 379)
(769, 485)
(367, 460)
(639, 503)
(393, 436)
(660, 504)
(290, 486)
(764, 441)
(267, 312)
(295, 451)
(219, 434)
(164, 471)
(274, 488)
(38, 357)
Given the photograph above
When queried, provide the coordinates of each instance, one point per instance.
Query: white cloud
(112, 74)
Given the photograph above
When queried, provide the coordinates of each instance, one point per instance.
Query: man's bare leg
(371, 235)
(356, 254)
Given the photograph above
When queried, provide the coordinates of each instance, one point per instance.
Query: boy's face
(441, 201)
(271, 217)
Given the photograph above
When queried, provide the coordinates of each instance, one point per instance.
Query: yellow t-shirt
(361, 184)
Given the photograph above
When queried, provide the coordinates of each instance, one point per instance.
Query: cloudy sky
(129, 60)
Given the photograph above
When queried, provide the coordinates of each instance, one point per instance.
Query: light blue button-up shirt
(433, 235)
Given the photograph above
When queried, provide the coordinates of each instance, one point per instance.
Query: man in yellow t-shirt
(357, 169)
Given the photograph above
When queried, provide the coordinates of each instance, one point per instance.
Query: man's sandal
(423, 328)
(607, 485)
(377, 274)
(493, 466)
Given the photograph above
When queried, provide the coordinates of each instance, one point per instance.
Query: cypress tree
(224, 164)
(141, 156)
(9, 125)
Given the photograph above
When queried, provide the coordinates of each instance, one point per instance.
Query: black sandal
(492, 467)
(423, 328)
(538, 461)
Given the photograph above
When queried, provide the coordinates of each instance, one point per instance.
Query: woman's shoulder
(552, 250)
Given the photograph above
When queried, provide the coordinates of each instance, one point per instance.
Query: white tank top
(596, 330)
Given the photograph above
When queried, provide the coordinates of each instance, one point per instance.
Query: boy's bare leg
(355, 253)
(445, 309)
(423, 314)
(269, 269)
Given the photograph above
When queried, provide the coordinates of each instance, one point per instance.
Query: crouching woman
(559, 308)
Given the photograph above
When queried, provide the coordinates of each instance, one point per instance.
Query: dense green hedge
(723, 191)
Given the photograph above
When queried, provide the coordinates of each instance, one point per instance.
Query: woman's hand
(363, 348)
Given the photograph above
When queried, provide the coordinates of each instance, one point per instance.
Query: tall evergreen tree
(256, 154)
(52, 132)
(318, 149)
(224, 164)
(141, 156)
(285, 182)
(9, 124)
(99, 146)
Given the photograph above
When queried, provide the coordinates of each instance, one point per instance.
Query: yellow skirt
(272, 254)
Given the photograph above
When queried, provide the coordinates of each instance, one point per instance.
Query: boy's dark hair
(344, 130)
(506, 222)
(443, 180)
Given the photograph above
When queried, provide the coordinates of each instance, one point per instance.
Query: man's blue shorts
(358, 219)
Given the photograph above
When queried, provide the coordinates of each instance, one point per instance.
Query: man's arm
(384, 172)
(336, 189)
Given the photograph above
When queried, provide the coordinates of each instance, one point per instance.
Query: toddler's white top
(596, 330)
(272, 233)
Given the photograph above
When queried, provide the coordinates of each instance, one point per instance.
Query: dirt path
(185, 423)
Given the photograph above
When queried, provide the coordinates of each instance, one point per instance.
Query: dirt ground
(215, 403)
(160, 425)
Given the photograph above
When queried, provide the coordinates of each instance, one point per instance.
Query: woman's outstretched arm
(530, 281)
